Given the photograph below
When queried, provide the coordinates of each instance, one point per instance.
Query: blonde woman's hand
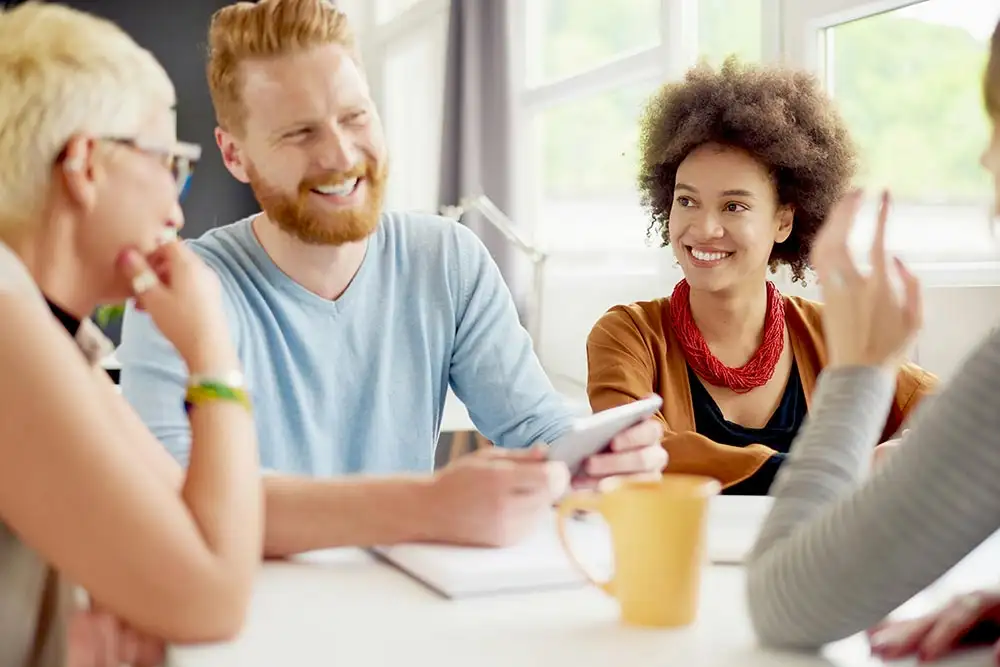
(865, 322)
(184, 298)
(98, 639)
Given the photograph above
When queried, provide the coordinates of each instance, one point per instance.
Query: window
(412, 107)
(404, 43)
(588, 152)
(387, 10)
(586, 72)
(730, 27)
(570, 36)
(909, 84)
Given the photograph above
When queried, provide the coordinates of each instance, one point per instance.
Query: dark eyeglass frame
(180, 159)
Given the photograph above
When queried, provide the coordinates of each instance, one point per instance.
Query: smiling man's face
(313, 149)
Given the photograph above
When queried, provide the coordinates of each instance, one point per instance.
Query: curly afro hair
(781, 117)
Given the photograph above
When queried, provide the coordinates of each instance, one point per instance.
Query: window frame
(788, 29)
(675, 53)
(801, 25)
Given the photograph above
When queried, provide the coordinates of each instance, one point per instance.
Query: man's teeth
(708, 256)
(341, 190)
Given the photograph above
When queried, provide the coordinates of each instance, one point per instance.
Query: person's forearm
(835, 556)
(222, 490)
(223, 493)
(304, 514)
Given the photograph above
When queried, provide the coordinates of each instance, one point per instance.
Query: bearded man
(352, 323)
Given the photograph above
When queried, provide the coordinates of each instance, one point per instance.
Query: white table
(342, 607)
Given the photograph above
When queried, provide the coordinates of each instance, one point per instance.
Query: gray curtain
(475, 142)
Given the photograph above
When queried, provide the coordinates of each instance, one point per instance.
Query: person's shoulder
(427, 232)
(805, 309)
(642, 319)
(804, 319)
(224, 244)
(420, 226)
(435, 245)
(229, 250)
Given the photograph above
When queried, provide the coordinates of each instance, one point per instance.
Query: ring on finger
(144, 282)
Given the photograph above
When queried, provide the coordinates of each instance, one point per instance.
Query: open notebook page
(539, 562)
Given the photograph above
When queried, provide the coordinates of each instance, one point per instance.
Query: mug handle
(582, 501)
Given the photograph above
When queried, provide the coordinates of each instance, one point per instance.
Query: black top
(777, 434)
(72, 325)
(71, 322)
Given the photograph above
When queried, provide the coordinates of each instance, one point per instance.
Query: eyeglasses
(180, 159)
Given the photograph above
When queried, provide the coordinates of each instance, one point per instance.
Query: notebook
(539, 562)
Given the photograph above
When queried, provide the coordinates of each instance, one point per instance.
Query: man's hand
(636, 453)
(493, 497)
(968, 620)
(98, 639)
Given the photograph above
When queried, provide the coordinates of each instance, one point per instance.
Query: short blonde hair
(65, 72)
(255, 30)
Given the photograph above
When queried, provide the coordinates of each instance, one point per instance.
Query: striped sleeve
(839, 552)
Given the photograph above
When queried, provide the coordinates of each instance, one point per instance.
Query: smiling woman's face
(725, 218)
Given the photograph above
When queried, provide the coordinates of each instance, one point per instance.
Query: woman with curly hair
(738, 169)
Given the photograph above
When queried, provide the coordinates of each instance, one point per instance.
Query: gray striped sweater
(838, 552)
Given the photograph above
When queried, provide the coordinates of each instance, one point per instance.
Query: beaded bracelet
(209, 390)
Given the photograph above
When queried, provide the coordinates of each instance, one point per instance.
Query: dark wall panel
(176, 31)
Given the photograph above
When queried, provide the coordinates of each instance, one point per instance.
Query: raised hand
(865, 321)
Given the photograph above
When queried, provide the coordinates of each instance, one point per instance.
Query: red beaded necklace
(756, 372)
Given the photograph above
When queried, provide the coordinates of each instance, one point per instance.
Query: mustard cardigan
(632, 352)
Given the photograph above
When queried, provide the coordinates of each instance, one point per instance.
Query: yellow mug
(658, 540)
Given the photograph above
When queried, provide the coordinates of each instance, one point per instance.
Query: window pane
(566, 37)
(589, 161)
(413, 89)
(729, 27)
(387, 10)
(909, 83)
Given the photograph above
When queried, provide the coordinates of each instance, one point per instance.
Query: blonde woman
(836, 555)
(90, 172)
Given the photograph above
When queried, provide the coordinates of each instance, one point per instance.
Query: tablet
(594, 433)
